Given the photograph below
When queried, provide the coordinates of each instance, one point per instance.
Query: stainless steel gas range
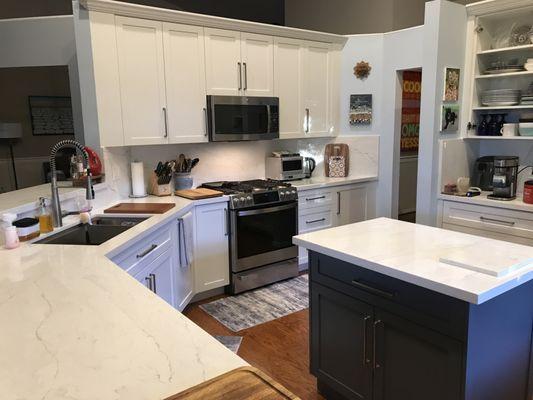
(263, 218)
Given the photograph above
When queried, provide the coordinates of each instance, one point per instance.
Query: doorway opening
(409, 133)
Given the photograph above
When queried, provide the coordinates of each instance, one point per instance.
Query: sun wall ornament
(362, 70)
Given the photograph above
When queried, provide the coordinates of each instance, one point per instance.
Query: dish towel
(186, 240)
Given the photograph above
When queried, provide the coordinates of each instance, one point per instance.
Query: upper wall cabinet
(238, 63)
(142, 80)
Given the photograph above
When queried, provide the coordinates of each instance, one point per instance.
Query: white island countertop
(76, 326)
(411, 253)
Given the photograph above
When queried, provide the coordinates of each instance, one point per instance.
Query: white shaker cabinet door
(211, 252)
(223, 62)
(316, 88)
(185, 83)
(257, 56)
(159, 277)
(288, 65)
(352, 205)
(142, 80)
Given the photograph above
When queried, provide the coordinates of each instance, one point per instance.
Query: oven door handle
(267, 210)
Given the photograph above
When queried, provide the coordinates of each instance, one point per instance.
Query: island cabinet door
(341, 342)
(414, 363)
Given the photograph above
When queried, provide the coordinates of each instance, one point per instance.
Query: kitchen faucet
(57, 216)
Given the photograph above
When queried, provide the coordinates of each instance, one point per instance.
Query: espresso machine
(504, 181)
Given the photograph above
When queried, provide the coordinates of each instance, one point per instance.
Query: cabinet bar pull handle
(496, 221)
(306, 120)
(240, 75)
(245, 76)
(149, 281)
(165, 119)
(315, 198)
(366, 359)
(376, 361)
(148, 250)
(152, 278)
(372, 289)
(206, 122)
(338, 203)
(315, 220)
(226, 216)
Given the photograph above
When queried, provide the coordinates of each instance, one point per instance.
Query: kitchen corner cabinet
(211, 259)
(376, 337)
(238, 63)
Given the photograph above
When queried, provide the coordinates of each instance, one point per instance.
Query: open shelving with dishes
(499, 77)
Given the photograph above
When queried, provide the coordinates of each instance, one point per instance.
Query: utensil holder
(182, 181)
(157, 189)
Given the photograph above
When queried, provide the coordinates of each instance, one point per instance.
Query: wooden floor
(279, 348)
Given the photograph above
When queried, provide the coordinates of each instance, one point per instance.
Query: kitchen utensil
(509, 130)
(180, 165)
(337, 149)
(197, 194)
(194, 162)
(139, 208)
(182, 180)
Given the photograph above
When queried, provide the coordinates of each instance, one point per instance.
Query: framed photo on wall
(449, 118)
(452, 80)
(51, 115)
(360, 109)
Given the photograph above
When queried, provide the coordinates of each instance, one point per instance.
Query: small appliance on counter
(483, 173)
(287, 166)
(504, 180)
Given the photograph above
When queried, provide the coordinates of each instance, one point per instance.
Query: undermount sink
(102, 229)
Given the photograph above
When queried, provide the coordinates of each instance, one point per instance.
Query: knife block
(156, 189)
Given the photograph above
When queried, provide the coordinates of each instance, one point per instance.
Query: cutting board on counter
(242, 383)
(139, 208)
(197, 194)
(336, 150)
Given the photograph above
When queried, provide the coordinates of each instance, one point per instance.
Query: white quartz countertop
(322, 181)
(483, 200)
(76, 326)
(411, 253)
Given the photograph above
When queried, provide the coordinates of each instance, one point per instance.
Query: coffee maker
(504, 181)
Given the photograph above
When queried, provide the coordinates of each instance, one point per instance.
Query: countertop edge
(332, 182)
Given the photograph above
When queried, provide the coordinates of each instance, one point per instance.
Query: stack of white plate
(500, 97)
(529, 64)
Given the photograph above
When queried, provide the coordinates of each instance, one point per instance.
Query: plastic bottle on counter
(45, 217)
(11, 239)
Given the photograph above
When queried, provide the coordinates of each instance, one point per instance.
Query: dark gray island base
(377, 337)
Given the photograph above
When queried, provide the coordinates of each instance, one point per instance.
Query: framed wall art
(51, 115)
(360, 109)
(449, 118)
(452, 79)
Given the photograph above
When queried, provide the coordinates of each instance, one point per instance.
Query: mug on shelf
(509, 130)
(463, 183)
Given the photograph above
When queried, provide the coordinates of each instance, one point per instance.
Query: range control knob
(249, 199)
(293, 192)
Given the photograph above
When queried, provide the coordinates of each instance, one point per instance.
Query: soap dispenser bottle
(45, 217)
(11, 239)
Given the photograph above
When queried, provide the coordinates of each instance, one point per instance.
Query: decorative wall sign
(51, 115)
(411, 91)
(450, 118)
(451, 84)
(362, 70)
(360, 109)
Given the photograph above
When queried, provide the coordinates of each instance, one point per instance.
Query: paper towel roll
(137, 179)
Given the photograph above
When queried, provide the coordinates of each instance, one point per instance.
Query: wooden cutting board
(197, 194)
(337, 149)
(139, 208)
(242, 383)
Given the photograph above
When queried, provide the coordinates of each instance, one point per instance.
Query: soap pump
(11, 239)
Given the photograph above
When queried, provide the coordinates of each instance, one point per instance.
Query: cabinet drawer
(314, 198)
(314, 219)
(421, 305)
(508, 222)
(144, 250)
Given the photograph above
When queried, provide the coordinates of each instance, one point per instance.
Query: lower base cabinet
(159, 276)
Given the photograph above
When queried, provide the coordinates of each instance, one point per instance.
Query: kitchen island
(391, 320)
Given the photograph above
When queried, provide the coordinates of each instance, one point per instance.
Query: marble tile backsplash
(236, 160)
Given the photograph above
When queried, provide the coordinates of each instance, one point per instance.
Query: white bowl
(525, 128)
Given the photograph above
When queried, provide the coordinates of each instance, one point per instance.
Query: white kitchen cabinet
(351, 205)
(184, 59)
(316, 89)
(223, 62)
(211, 259)
(288, 77)
(257, 54)
(238, 63)
(142, 80)
(184, 281)
(159, 276)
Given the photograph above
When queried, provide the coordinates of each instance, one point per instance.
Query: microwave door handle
(268, 118)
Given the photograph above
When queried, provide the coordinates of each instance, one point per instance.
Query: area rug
(231, 342)
(261, 305)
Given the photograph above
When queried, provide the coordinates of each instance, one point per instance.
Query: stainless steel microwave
(236, 118)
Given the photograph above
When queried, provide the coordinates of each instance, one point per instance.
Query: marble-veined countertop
(411, 252)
